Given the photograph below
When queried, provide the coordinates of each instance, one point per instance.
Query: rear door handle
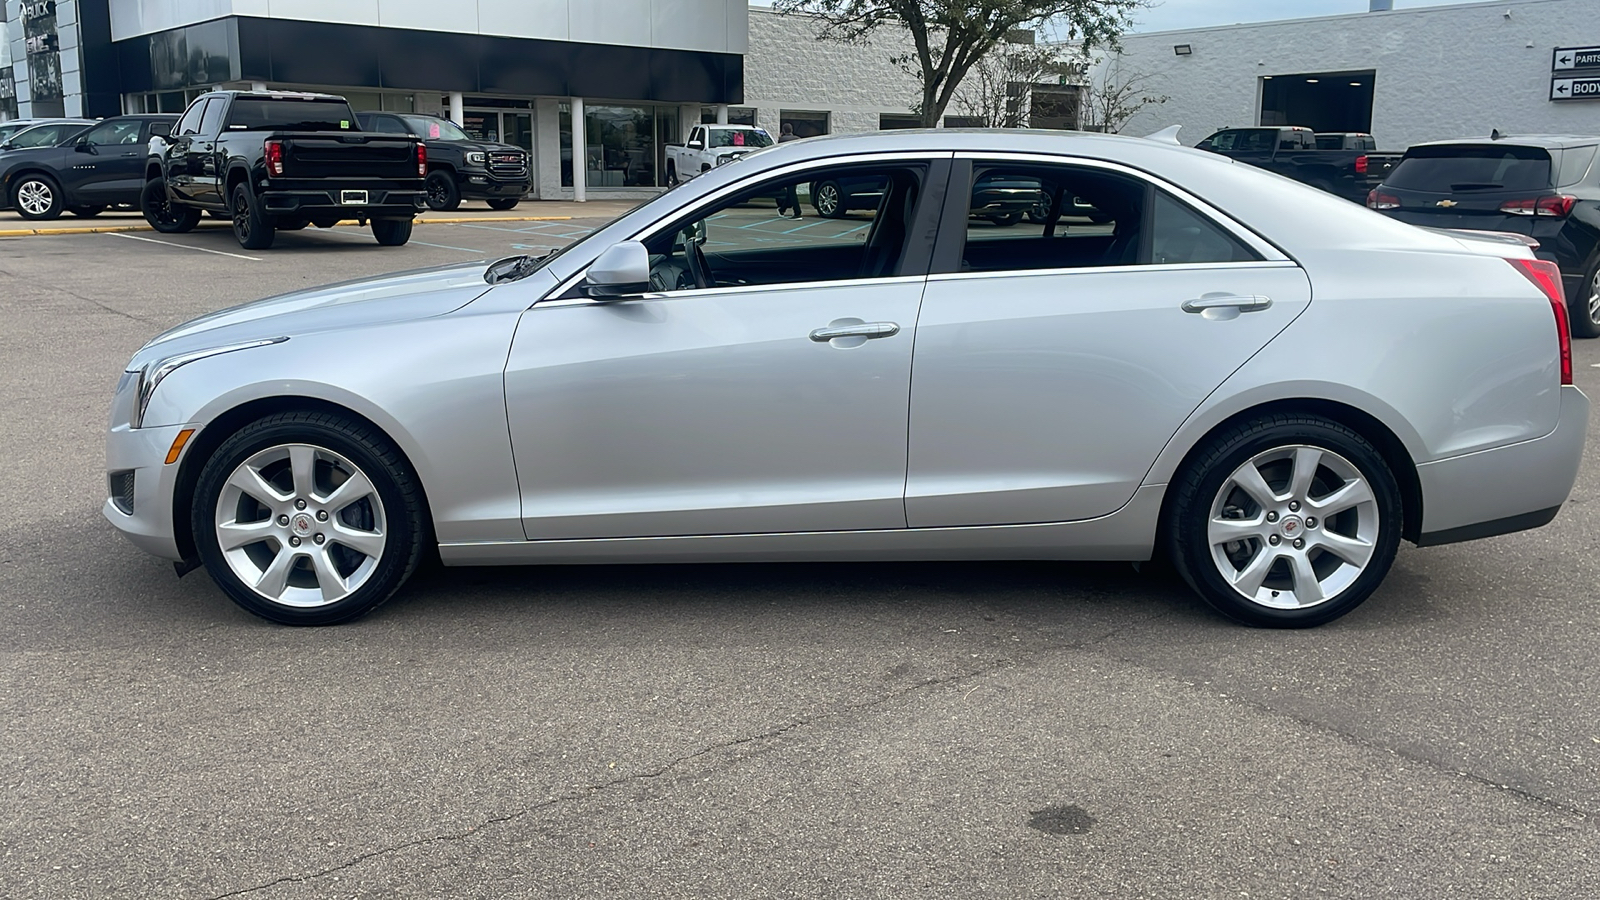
(1243, 303)
(868, 330)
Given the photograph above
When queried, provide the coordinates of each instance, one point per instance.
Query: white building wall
(788, 68)
(710, 25)
(1442, 72)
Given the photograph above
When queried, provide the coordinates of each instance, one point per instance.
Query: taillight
(1547, 275)
(1361, 165)
(1376, 200)
(422, 160)
(274, 157)
(1558, 206)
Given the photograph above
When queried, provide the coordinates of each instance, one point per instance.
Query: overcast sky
(1170, 14)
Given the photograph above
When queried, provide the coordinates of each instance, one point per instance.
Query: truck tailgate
(348, 155)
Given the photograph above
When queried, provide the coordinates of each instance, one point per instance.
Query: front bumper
(1506, 489)
(482, 185)
(142, 453)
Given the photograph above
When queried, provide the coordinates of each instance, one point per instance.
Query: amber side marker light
(178, 444)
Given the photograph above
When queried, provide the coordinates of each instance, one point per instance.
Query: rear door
(1055, 360)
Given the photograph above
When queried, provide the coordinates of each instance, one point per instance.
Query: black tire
(504, 203)
(36, 197)
(1583, 313)
(672, 174)
(160, 212)
(253, 230)
(443, 194)
(401, 517)
(392, 232)
(1039, 213)
(1007, 220)
(1198, 491)
(828, 200)
(86, 212)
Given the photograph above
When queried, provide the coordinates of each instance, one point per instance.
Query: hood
(491, 147)
(418, 294)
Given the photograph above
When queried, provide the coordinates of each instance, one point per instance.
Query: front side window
(831, 224)
(1067, 217)
(124, 131)
(430, 128)
(190, 123)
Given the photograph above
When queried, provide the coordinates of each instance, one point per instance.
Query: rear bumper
(1506, 489)
(382, 199)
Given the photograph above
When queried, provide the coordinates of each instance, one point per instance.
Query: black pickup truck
(276, 161)
(1340, 163)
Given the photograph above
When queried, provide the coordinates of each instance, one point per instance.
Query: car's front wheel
(1285, 522)
(443, 195)
(162, 214)
(36, 197)
(308, 518)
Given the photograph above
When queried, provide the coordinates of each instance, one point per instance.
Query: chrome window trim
(1268, 251)
(653, 228)
(1095, 270)
(736, 290)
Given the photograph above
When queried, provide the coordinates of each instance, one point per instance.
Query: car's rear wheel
(392, 232)
(1585, 310)
(828, 200)
(504, 203)
(36, 197)
(1285, 521)
(443, 195)
(308, 518)
(162, 214)
(253, 230)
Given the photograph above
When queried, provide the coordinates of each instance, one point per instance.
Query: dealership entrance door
(501, 126)
(1320, 101)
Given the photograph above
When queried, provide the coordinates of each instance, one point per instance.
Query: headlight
(476, 157)
(151, 374)
(724, 160)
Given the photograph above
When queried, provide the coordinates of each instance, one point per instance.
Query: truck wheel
(162, 215)
(36, 197)
(443, 195)
(505, 203)
(672, 174)
(391, 232)
(253, 230)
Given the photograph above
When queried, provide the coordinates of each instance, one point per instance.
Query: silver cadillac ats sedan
(1171, 354)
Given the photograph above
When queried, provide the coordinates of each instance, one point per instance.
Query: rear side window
(1575, 163)
(211, 123)
(261, 114)
(1472, 167)
(1179, 235)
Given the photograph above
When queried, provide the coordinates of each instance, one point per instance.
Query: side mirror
(696, 145)
(622, 270)
(83, 146)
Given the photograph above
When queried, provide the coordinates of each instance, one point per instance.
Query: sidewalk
(13, 225)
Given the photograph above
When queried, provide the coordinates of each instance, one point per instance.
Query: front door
(109, 167)
(762, 388)
(1061, 352)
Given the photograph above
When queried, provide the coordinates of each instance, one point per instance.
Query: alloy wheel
(1293, 527)
(301, 526)
(241, 217)
(35, 197)
(828, 200)
(1594, 297)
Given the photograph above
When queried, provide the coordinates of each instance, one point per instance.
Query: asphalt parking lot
(905, 730)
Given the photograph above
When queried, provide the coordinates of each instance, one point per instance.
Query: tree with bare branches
(1115, 94)
(950, 37)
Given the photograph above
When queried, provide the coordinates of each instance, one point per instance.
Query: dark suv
(1545, 187)
(89, 171)
(460, 168)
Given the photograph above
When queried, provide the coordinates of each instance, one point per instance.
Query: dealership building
(638, 73)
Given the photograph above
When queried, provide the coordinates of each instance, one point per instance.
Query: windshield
(7, 131)
(727, 137)
(1472, 167)
(434, 129)
(263, 114)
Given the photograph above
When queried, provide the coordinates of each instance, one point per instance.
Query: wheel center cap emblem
(302, 524)
(1291, 526)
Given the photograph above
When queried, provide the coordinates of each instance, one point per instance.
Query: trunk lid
(355, 155)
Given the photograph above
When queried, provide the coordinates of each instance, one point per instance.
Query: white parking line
(135, 237)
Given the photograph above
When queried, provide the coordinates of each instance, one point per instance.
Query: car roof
(1544, 141)
(279, 95)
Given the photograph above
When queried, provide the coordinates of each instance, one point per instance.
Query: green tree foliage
(952, 36)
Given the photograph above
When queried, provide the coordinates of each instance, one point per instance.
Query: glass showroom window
(623, 144)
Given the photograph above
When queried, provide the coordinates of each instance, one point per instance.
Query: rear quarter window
(1472, 167)
(1575, 164)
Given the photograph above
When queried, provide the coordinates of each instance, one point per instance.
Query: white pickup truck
(710, 146)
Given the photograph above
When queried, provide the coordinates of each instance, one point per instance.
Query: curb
(114, 229)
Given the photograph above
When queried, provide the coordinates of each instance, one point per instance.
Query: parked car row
(1346, 164)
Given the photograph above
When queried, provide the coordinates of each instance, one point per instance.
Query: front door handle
(1242, 303)
(868, 330)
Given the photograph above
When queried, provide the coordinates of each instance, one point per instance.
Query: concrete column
(580, 154)
(722, 113)
(456, 115)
